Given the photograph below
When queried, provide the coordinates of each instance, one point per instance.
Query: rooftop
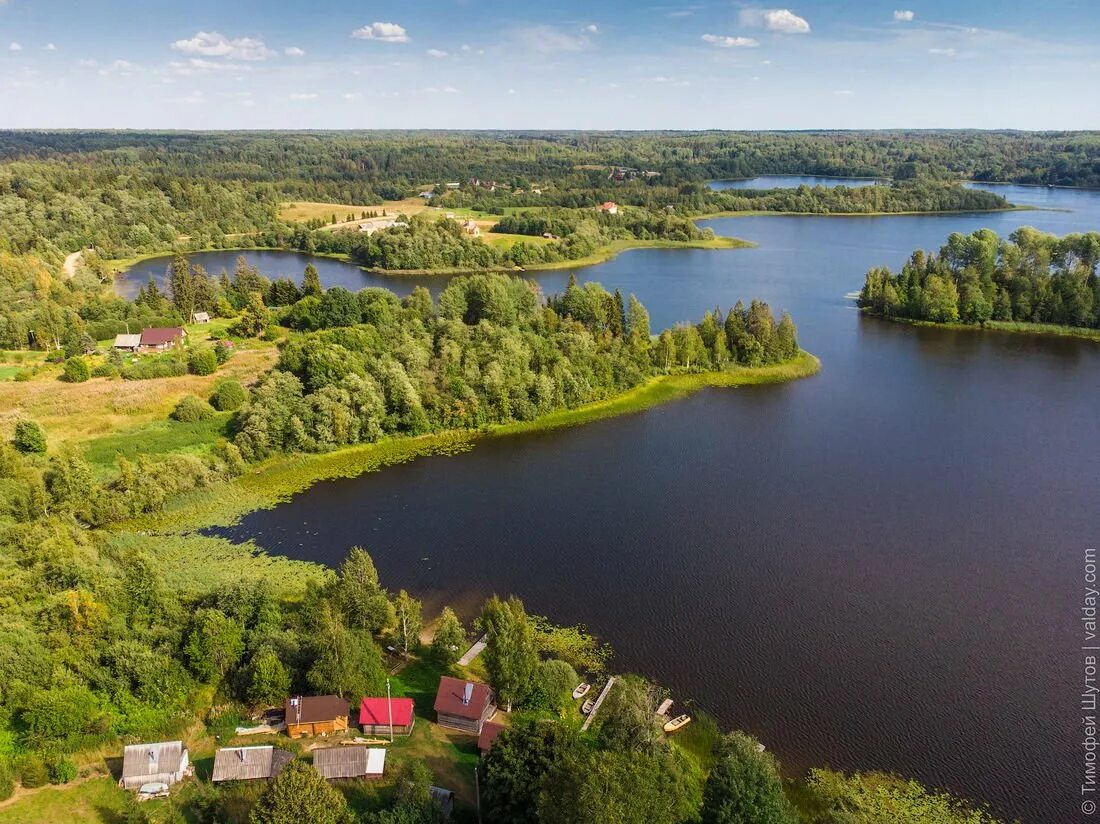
(375, 711)
(349, 762)
(152, 759)
(313, 708)
(244, 763)
(449, 698)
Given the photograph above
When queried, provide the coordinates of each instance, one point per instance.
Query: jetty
(473, 652)
(596, 707)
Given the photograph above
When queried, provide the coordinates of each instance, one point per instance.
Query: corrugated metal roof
(246, 763)
(127, 341)
(152, 759)
(376, 711)
(349, 762)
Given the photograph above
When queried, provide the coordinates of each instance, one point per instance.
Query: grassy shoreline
(278, 479)
(1013, 327)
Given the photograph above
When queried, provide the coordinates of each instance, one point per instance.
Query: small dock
(596, 707)
(473, 652)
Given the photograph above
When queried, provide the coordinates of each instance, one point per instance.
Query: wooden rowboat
(677, 723)
(588, 706)
(582, 690)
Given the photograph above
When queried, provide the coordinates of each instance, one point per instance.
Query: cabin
(161, 338)
(200, 317)
(378, 716)
(471, 228)
(463, 705)
(489, 734)
(249, 763)
(350, 762)
(372, 226)
(609, 208)
(150, 767)
(316, 715)
(127, 343)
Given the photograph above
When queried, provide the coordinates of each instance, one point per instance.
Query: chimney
(467, 694)
(240, 754)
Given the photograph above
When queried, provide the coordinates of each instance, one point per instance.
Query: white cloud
(123, 68)
(904, 15)
(548, 40)
(386, 32)
(592, 28)
(197, 65)
(195, 98)
(303, 96)
(50, 47)
(466, 47)
(436, 53)
(941, 52)
(844, 93)
(214, 44)
(294, 51)
(450, 90)
(15, 47)
(726, 42)
(352, 95)
(780, 21)
(511, 91)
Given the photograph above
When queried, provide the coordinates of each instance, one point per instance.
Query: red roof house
(374, 715)
(463, 705)
(159, 338)
(610, 207)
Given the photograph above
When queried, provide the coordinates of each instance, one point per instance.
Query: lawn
(96, 800)
(158, 438)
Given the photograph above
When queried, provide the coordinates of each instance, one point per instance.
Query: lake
(875, 568)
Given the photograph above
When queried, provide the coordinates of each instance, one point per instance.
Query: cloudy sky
(626, 64)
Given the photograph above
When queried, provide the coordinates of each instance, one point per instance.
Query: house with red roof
(377, 714)
(463, 705)
(161, 338)
(609, 208)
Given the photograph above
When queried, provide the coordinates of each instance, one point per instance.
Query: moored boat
(588, 706)
(677, 723)
(582, 690)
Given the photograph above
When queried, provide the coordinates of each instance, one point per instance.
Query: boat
(588, 706)
(662, 710)
(677, 723)
(582, 690)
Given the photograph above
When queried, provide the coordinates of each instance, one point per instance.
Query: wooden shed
(463, 705)
(164, 763)
(249, 763)
(377, 714)
(316, 715)
(350, 762)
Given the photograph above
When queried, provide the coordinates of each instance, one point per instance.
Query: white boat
(677, 723)
(588, 706)
(582, 690)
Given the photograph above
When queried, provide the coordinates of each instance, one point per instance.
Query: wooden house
(150, 765)
(316, 715)
(161, 338)
(249, 763)
(127, 343)
(377, 715)
(463, 705)
(350, 762)
(200, 317)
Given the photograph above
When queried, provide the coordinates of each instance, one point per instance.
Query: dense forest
(131, 192)
(1032, 277)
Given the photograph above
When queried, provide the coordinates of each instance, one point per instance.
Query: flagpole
(389, 706)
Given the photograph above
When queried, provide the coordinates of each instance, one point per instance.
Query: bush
(202, 361)
(34, 773)
(191, 409)
(24, 375)
(76, 370)
(222, 351)
(228, 395)
(148, 368)
(105, 370)
(29, 437)
(7, 780)
(61, 771)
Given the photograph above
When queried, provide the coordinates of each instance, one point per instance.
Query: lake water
(877, 568)
(792, 182)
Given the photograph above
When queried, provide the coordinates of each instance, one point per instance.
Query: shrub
(29, 437)
(7, 780)
(148, 368)
(191, 409)
(202, 361)
(61, 771)
(76, 370)
(105, 370)
(223, 349)
(34, 772)
(24, 375)
(228, 395)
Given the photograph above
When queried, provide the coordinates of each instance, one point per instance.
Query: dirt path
(70, 264)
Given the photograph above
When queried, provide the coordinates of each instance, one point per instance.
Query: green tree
(450, 638)
(311, 282)
(29, 437)
(214, 645)
(628, 717)
(228, 396)
(191, 409)
(201, 360)
(253, 319)
(268, 678)
(361, 598)
(516, 768)
(298, 795)
(553, 685)
(408, 620)
(346, 663)
(510, 652)
(744, 786)
(77, 370)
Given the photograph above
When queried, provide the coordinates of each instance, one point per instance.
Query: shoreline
(278, 479)
(766, 213)
(1010, 327)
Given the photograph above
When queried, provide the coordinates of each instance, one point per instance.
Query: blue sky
(494, 64)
